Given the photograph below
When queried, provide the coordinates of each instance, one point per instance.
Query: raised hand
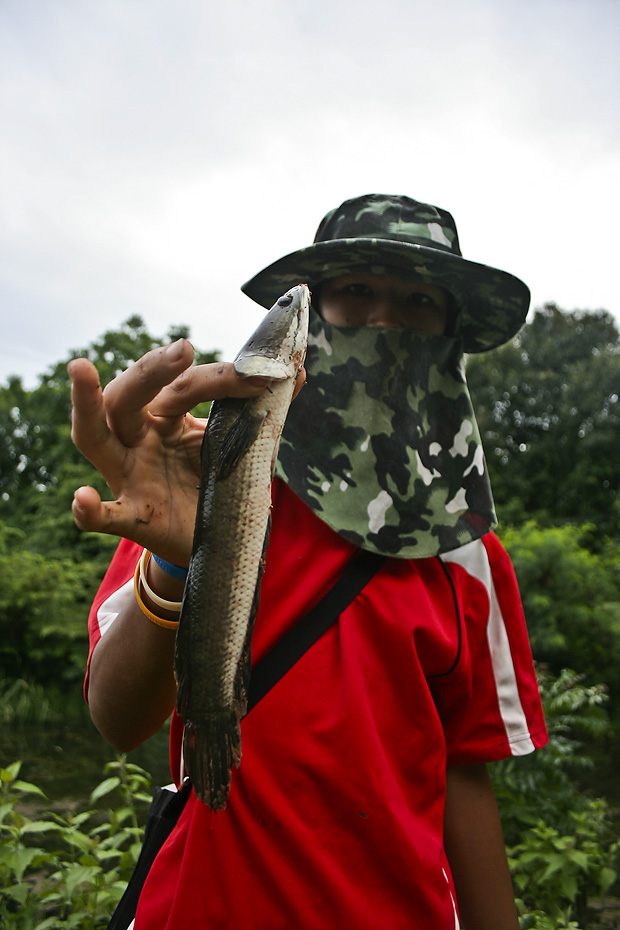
(138, 434)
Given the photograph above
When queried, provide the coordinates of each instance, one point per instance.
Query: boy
(362, 799)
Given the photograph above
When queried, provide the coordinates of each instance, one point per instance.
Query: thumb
(93, 515)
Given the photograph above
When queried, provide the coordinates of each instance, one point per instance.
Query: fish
(212, 657)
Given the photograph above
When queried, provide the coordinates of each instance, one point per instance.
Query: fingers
(128, 397)
(116, 518)
(89, 511)
(209, 382)
(299, 383)
(204, 383)
(89, 429)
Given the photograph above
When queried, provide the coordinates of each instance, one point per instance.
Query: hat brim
(491, 305)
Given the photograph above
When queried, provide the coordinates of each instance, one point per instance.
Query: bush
(561, 843)
(43, 604)
(571, 598)
(69, 871)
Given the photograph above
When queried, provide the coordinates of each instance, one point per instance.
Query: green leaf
(78, 839)
(105, 855)
(80, 875)
(10, 772)
(556, 862)
(5, 809)
(569, 887)
(26, 787)
(50, 923)
(105, 787)
(75, 920)
(41, 826)
(579, 857)
(607, 877)
(18, 892)
(78, 819)
(18, 859)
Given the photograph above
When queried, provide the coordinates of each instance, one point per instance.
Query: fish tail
(210, 749)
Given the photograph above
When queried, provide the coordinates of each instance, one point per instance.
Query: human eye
(357, 289)
(420, 299)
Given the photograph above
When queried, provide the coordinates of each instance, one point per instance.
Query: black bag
(164, 812)
(167, 805)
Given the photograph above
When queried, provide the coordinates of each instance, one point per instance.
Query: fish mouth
(276, 348)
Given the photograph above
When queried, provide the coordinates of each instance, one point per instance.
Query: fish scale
(212, 654)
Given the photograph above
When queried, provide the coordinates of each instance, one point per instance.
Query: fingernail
(175, 350)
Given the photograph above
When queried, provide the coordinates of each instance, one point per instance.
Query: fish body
(240, 446)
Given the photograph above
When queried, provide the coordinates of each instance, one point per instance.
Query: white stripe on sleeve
(474, 559)
(109, 610)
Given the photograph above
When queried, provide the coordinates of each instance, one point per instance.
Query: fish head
(276, 350)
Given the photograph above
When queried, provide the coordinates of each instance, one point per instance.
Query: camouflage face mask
(382, 442)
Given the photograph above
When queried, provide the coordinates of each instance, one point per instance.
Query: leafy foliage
(571, 598)
(558, 872)
(562, 845)
(43, 602)
(543, 785)
(23, 703)
(69, 871)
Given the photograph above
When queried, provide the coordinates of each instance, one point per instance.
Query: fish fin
(241, 435)
(210, 749)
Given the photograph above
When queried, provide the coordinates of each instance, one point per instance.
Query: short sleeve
(115, 590)
(493, 706)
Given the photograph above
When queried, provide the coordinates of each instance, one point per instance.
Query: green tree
(43, 603)
(548, 408)
(571, 598)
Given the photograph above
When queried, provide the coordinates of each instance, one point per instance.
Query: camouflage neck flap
(382, 442)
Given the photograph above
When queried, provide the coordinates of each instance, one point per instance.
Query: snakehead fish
(239, 450)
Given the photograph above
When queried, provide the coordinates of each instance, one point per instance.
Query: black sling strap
(167, 806)
(291, 647)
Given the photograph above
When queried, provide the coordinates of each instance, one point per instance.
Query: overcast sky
(156, 153)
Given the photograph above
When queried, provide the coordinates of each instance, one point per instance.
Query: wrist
(175, 571)
(161, 611)
(163, 584)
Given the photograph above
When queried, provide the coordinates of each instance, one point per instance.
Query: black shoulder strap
(306, 631)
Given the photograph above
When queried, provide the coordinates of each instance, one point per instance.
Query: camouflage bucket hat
(393, 234)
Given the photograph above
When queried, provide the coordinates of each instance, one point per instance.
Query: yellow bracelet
(168, 624)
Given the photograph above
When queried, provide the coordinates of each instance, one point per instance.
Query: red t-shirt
(335, 817)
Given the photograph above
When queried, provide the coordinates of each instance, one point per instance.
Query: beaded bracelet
(167, 624)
